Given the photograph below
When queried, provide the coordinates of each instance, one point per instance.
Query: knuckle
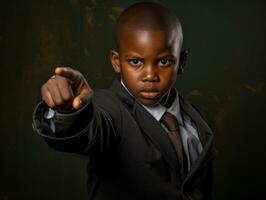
(59, 102)
(66, 97)
(43, 89)
(50, 104)
(44, 92)
(50, 81)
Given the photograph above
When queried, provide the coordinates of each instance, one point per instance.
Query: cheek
(130, 74)
(169, 77)
(130, 77)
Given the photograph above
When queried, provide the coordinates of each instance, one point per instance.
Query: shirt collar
(158, 110)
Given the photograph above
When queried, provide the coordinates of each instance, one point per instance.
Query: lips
(149, 93)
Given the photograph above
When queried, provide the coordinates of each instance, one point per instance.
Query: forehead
(145, 39)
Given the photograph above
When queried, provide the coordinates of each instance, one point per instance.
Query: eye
(165, 61)
(135, 62)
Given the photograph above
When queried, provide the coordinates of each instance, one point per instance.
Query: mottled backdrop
(225, 78)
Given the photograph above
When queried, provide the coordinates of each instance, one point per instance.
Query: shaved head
(148, 57)
(148, 16)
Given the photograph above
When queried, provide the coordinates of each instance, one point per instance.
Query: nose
(151, 74)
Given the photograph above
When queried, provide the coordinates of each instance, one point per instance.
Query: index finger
(68, 73)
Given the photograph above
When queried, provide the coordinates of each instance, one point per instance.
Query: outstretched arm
(73, 124)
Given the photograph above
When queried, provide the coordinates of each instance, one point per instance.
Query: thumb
(82, 99)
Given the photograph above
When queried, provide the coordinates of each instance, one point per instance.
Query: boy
(143, 139)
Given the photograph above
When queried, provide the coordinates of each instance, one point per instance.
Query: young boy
(144, 140)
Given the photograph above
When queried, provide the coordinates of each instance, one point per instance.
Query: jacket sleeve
(91, 133)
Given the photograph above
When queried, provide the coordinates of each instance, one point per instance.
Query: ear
(114, 57)
(182, 61)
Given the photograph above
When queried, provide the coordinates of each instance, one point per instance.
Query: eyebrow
(138, 56)
(167, 56)
(133, 56)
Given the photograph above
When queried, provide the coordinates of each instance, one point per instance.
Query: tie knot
(170, 121)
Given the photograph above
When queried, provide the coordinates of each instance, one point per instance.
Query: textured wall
(225, 78)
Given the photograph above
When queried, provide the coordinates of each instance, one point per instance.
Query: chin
(149, 102)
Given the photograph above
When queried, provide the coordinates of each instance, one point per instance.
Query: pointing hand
(66, 91)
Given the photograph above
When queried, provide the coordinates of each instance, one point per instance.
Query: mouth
(149, 94)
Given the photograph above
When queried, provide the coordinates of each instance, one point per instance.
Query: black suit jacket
(131, 156)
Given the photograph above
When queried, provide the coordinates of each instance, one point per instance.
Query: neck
(169, 98)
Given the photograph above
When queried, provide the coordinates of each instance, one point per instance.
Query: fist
(66, 91)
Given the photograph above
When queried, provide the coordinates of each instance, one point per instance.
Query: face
(147, 62)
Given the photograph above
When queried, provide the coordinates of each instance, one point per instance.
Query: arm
(78, 129)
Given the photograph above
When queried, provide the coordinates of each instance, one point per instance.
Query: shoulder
(104, 97)
(102, 93)
(106, 100)
(198, 111)
(185, 103)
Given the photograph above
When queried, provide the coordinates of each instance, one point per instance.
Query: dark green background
(225, 78)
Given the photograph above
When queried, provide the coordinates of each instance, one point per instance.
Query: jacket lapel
(154, 131)
(205, 135)
(148, 124)
(156, 134)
